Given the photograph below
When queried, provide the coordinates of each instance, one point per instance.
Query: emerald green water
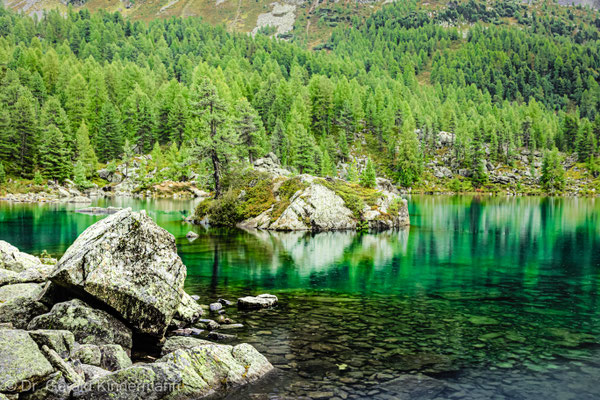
(495, 297)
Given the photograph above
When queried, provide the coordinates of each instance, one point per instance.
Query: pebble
(215, 306)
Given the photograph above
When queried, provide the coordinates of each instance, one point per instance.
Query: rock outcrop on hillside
(307, 203)
(68, 331)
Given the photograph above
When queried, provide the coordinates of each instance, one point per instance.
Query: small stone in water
(215, 306)
(225, 302)
(187, 332)
(482, 321)
(195, 297)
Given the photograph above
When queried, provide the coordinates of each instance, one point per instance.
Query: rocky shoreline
(110, 319)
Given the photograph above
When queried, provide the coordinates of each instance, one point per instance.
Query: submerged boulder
(88, 325)
(22, 364)
(129, 263)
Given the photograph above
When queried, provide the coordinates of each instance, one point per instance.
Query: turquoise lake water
(493, 297)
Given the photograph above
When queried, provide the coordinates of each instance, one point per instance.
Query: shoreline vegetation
(466, 97)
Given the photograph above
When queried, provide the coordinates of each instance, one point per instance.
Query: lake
(494, 297)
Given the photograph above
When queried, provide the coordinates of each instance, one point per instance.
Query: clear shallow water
(495, 297)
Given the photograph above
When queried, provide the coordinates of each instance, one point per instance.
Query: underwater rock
(409, 387)
(99, 210)
(215, 306)
(130, 264)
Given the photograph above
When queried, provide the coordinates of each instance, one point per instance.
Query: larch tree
(217, 140)
(250, 130)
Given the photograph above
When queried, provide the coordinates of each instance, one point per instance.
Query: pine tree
(157, 156)
(553, 173)
(218, 139)
(304, 151)
(76, 104)
(352, 173)
(80, 173)
(139, 120)
(368, 176)
(478, 174)
(8, 139)
(53, 114)
(53, 157)
(178, 119)
(85, 152)
(409, 161)
(2, 174)
(279, 142)
(109, 142)
(250, 130)
(25, 126)
(586, 143)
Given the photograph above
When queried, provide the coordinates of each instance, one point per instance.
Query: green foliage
(80, 173)
(38, 179)
(355, 197)
(2, 174)
(53, 158)
(553, 173)
(368, 176)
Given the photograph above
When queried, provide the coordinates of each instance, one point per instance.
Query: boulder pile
(106, 321)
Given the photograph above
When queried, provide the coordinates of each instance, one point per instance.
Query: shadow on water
(493, 297)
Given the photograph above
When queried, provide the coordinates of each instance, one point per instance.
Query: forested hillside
(89, 88)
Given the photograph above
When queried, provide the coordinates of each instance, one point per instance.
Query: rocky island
(107, 319)
(268, 197)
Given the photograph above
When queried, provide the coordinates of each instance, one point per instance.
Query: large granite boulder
(60, 341)
(209, 368)
(22, 364)
(129, 263)
(18, 267)
(19, 303)
(88, 325)
(316, 208)
(138, 382)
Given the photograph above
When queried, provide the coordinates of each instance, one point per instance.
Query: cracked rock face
(129, 263)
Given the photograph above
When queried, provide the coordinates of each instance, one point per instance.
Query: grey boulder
(89, 325)
(22, 364)
(19, 303)
(256, 302)
(129, 263)
(18, 267)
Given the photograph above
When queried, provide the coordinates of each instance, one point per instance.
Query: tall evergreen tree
(409, 161)
(218, 139)
(8, 139)
(250, 130)
(109, 143)
(76, 99)
(25, 126)
(85, 152)
(304, 151)
(54, 160)
(368, 176)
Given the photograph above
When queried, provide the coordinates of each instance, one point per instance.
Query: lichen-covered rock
(208, 368)
(139, 382)
(22, 364)
(19, 303)
(55, 388)
(18, 267)
(113, 357)
(181, 343)
(255, 302)
(89, 325)
(316, 208)
(87, 354)
(91, 372)
(189, 311)
(61, 341)
(129, 263)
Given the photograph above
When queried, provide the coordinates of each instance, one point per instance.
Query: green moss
(355, 197)
(249, 194)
